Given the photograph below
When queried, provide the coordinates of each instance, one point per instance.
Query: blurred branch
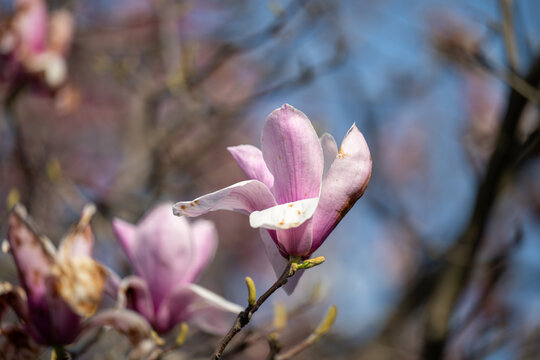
(250, 42)
(496, 268)
(509, 35)
(19, 151)
(456, 273)
(513, 80)
(529, 146)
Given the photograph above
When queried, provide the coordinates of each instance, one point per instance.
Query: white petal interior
(284, 216)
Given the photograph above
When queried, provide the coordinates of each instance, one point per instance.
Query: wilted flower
(35, 44)
(168, 254)
(300, 186)
(60, 288)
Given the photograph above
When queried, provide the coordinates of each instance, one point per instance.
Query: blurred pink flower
(168, 254)
(34, 44)
(60, 288)
(300, 187)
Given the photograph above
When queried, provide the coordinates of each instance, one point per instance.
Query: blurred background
(439, 259)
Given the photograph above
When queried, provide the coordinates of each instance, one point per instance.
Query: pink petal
(296, 241)
(162, 251)
(125, 233)
(278, 262)
(293, 154)
(130, 324)
(292, 222)
(134, 294)
(345, 183)
(330, 151)
(250, 159)
(80, 240)
(204, 243)
(31, 24)
(245, 197)
(33, 255)
(200, 307)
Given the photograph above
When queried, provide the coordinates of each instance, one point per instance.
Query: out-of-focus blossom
(59, 289)
(452, 38)
(34, 44)
(300, 187)
(168, 254)
(482, 100)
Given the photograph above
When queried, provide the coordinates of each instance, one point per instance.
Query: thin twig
(509, 34)
(245, 316)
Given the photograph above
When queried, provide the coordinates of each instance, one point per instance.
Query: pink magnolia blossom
(35, 44)
(60, 289)
(300, 188)
(168, 254)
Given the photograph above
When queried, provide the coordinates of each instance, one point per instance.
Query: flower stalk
(245, 316)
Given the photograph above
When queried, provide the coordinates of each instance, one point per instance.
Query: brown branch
(245, 316)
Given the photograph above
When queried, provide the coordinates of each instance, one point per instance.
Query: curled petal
(128, 323)
(245, 197)
(250, 159)
(200, 307)
(13, 297)
(330, 151)
(284, 216)
(293, 154)
(134, 294)
(16, 344)
(204, 242)
(345, 183)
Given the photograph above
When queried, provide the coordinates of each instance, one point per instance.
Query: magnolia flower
(36, 44)
(300, 187)
(168, 254)
(59, 289)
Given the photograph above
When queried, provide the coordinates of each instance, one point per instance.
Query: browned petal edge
(16, 344)
(12, 296)
(20, 223)
(81, 229)
(80, 281)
